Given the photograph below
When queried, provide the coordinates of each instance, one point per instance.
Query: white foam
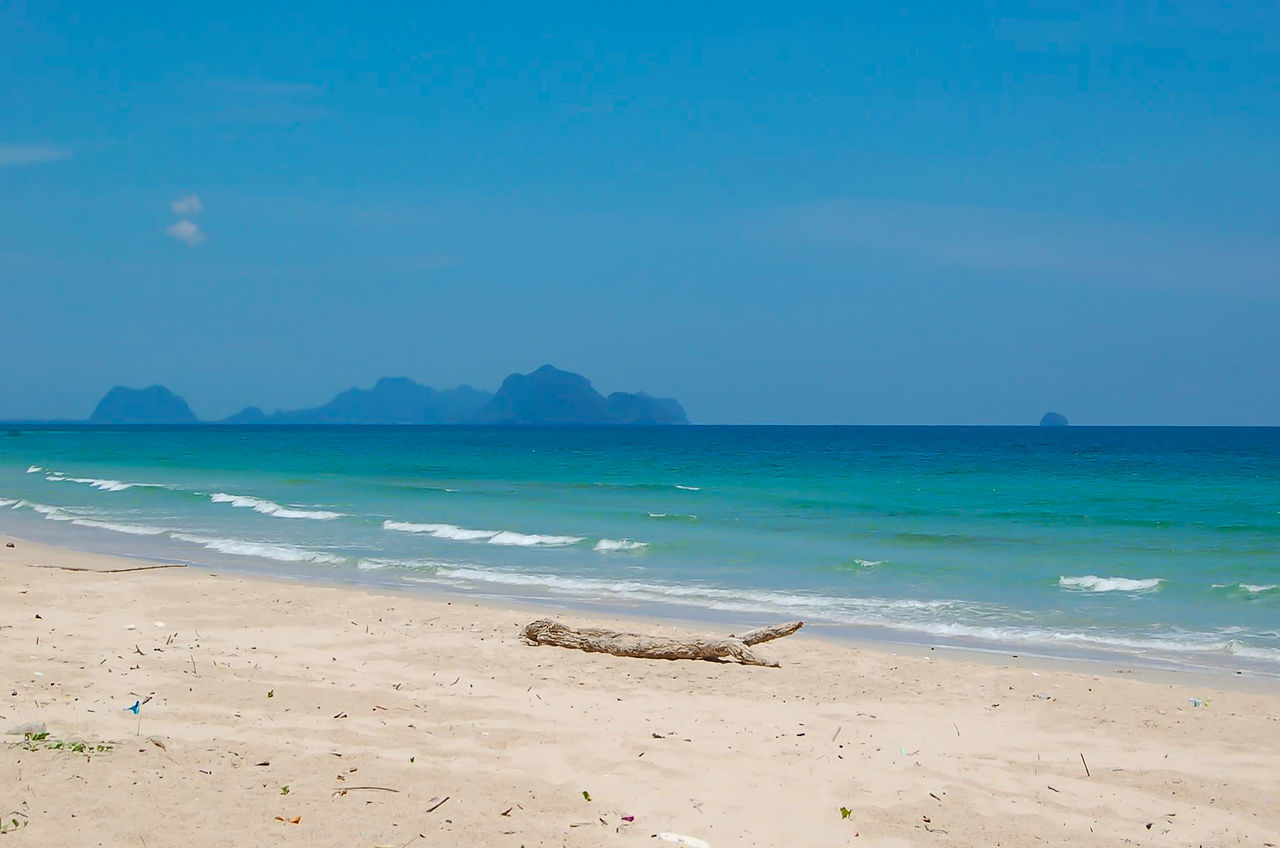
(131, 529)
(51, 512)
(8, 502)
(441, 531)
(1091, 583)
(1255, 589)
(689, 488)
(494, 537)
(272, 508)
(609, 545)
(34, 469)
(104, 485)
(264, 550)
(685, 516)
(530, 540)
(869, 563)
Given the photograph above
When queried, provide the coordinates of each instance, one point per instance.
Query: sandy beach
(275, 712)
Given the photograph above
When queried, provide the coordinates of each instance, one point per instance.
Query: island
(152, 405)
(544, 397)
(1053, 419)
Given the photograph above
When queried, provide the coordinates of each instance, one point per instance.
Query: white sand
(255, 685)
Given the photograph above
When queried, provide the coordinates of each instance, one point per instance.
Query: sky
(904, 213)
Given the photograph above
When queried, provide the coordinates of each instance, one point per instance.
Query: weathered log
(544, 631)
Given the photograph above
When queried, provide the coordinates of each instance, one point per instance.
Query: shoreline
(865, 637)
(356, 710)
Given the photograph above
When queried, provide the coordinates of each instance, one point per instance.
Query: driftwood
(544, 631)
(107, 570)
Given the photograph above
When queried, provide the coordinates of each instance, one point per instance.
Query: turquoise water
(1160, 544)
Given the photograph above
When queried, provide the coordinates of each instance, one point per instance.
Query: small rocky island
(152, 405)
(1053, 419)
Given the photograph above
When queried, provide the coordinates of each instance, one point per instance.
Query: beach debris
(10, 821)
(159, 624)
(681, 839)
(291, 820)
(845, 812)
(545, 631)
(108, 570)
(8, 544)
(629, 819)
(1086, 765)
(137, 706)
(437, 805)
(586, 795)
(1198, 702)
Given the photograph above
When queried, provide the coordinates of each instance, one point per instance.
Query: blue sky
(798, 213)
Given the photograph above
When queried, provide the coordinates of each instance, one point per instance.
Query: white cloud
(16, 155)
(186, 232)
(188, 205)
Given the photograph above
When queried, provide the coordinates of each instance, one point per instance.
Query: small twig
(378, 788)
(437, 805)
(1086, 765)
(108, 570)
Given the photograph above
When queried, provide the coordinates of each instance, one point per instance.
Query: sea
(1155, 546)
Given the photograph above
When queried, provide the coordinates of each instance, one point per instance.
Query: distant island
(152, 405)
(1053, 419)
(543, 397)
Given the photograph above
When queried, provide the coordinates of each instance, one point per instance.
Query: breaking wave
(492, 537)
(97, 483)
(272, 508)
(263, 550)
(609, 545)
(1091, 583)
(131, 529)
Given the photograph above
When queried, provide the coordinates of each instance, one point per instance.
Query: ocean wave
(272, 508)
(131, 529)
(441, 531)
(34, 469)
(1250, 588)
(54, 513)
(674, 516)
(4, 502)
(97, 483)
(689, 488)
(610, 545)
(263, 550)
(493, 537)
(1091, 583)
(529, 540)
